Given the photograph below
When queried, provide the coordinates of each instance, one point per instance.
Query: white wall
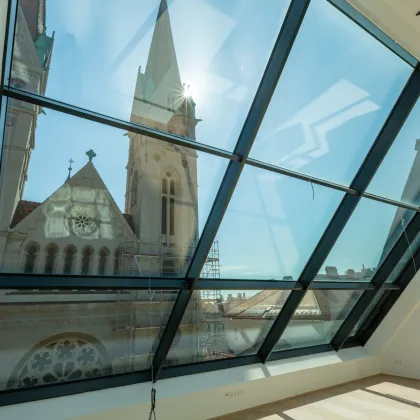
(397, 339)
(396, 18)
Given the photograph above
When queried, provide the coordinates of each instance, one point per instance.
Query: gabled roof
(87, 178)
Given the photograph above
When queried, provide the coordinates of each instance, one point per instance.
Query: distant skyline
(335, 93)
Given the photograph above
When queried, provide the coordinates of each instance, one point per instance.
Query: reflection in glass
(398, 177)
(76, 335)
(190, 67)
(325, 116)
(230, 323)
(317, 318)
(366, 240)
(272, 225)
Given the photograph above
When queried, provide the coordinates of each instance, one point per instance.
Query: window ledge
(211, 394)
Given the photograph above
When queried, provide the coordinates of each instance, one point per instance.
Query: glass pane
(366, 240)
(398, 177)
(272, 225)
(85, 204)
(230, 323)
(318, 318)
(332, 98)
(60, 336)
(368, 311)
(189, 67)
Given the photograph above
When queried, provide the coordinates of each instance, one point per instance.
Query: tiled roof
(22, 210)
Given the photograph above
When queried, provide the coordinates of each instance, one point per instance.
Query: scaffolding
(139, 259)
(212, 338)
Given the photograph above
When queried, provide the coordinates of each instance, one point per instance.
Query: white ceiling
(397, 18)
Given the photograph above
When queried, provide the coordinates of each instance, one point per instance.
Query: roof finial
(90, 154)
(71, 161)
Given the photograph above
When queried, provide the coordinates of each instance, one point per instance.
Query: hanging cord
(409, 246)
(313, 190)
(152, 414)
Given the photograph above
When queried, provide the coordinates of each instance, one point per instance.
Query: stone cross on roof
(90, 154)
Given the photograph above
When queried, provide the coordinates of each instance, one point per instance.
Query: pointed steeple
(162, 64)
(159, 98)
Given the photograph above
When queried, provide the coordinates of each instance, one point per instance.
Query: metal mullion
(403, 281)
(341, 285)
(181, 141)
(8, 46)
(378, 280)
(208, 366)
(299, 352)
(240, 284)
(391, 202)
(115, 122)
(11, 19)
(280, 324)
(298, 175)
(373, 30)
(273, 70)
(43, 282)
(377, 152)
(169, 332)
(390, 286)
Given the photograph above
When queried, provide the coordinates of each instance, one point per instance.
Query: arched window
(168, 209)
(103, 261)
(87, 254)
(69, 259)
(117, 261)
(51, 252)
(134, 189)
(31, 256)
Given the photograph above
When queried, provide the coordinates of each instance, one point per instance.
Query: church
(79, 229)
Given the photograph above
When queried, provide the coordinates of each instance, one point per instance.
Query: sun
(188, 91)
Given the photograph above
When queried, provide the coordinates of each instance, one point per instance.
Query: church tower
(161, 190)
(30, 65)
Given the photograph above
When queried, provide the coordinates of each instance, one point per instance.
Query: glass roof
(193, 185)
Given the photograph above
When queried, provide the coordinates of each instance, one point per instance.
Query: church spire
(162, 64)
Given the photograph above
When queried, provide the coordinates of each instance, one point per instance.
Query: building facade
(79, 229)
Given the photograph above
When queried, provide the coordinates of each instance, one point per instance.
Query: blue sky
(331, 101)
